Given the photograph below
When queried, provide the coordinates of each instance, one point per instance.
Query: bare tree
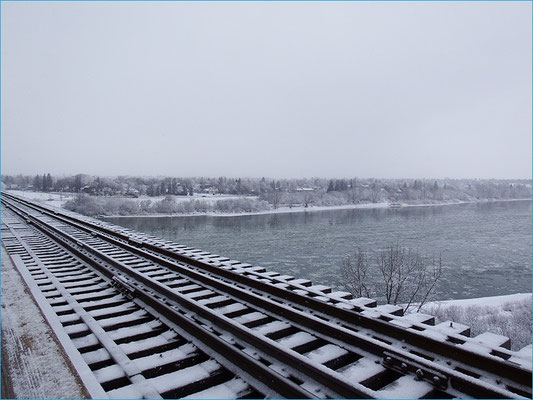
(354, 273)
(402, 276)
(375, 193)
(308, 199)
(273, 198)
(353, 196)
(290, 199)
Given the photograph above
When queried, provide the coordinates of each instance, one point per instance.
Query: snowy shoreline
(300, 209)
(492, 301)
(58, 199)
(508, 316)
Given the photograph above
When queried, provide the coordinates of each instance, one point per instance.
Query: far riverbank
(301, 209)
(252, 203)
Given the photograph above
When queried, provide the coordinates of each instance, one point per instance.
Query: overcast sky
(367, 89)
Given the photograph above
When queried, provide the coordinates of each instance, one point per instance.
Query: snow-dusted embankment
(199, 204)
(504, 315)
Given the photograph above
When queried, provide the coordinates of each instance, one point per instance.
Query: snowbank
(52, 199)
(503, 315)
(493, 301)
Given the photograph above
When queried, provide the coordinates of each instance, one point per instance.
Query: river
(485, 247)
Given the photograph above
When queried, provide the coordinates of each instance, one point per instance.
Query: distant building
(210, 190)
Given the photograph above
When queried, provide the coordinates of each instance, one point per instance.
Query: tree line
(281, 192)
(106, 206)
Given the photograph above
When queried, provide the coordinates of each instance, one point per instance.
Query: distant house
(210, 190)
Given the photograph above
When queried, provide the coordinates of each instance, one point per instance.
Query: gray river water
(486, 247)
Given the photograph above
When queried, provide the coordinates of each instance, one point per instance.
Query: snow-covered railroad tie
(152, 318)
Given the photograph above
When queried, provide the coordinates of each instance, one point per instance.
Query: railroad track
(148, 318)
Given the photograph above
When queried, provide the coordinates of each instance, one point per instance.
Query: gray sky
(368, 89)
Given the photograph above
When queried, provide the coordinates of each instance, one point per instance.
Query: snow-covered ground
(503, 315)
(493, 301)
(52, 199)
(311, 208)
(279, 210)
(58, 199)
(37, 369)
(63, 197)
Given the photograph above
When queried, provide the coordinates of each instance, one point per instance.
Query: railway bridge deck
(141, 317)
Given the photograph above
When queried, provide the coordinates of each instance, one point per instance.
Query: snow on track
(37, 365)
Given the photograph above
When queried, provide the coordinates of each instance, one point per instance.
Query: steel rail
(457, 379)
